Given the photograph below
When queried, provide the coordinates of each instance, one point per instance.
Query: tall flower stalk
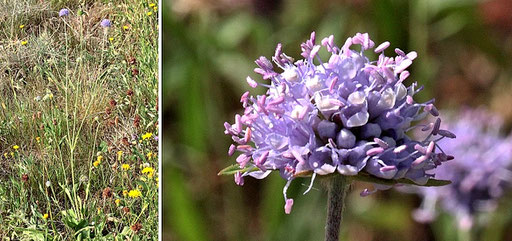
(346, 118)
(73, 104)
(337, 188)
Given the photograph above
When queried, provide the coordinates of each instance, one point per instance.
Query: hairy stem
(337, 188)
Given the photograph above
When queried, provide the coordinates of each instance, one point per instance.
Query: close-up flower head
(347, 115)
(353, 120)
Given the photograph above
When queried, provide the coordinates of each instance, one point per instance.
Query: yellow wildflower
(149, 155)
(125, 27)
(118, 201)
(111, 39)
(22, 26)
(149, 171)
(12, 154)
(155, 8)
(45, 216)
(15, 147)
(50, 96)
(5, 155)
(119, 155)
(125, 167)
(150, 13)
(152, 5)
(24, 42)
(147, 135)
(125, 193)
(38, 139)
(134, 193)
(96, 163)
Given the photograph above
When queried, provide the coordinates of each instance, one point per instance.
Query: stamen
(387, 168)
(231, 150)
(238, 124)
(261, 160)
(418, 161)
(399, 52)
(430, 148)
(374, 151)
(239, 179)
(381, 143)
(288, 206)
(382, 47)
(285, 188)
(420, 148)
(403, 65)
(242, 160)
(244, 147)
(251, 82)
(412, 55)
(311, 183)
(437, 125)
(244, 97)
(403, 76)
(399, 149)
(247, 136)
(446, 133)
(228, 130)
(277, 101)
(333, 83)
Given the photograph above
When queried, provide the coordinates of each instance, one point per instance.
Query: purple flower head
(106, 23)
(479, 173)
(347, 115)
(63, 12)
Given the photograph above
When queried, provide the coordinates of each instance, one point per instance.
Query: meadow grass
(78, 120)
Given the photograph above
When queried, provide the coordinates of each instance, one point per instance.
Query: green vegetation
(78, 120)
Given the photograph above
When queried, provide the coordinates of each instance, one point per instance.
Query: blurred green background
(465, 55)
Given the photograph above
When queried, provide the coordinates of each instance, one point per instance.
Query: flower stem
(337, 188)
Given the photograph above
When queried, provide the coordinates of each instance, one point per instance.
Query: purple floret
(106, 23)
(346, 115)
(63, 12)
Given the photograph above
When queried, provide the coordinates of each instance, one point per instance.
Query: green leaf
(230, 170)
(32, 233)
